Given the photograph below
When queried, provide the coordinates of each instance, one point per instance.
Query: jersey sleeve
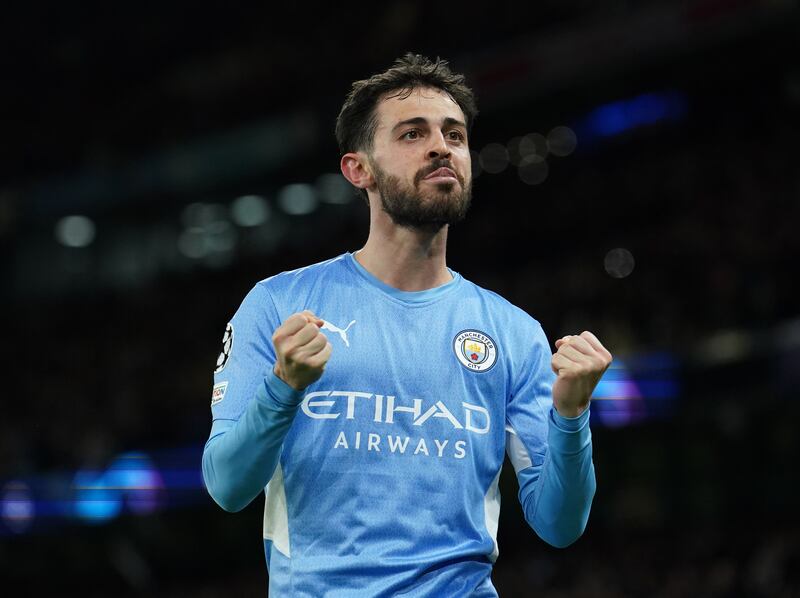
(252, 408)
(247, 355)
(551, 454)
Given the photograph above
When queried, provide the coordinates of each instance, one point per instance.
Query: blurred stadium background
(636, 175)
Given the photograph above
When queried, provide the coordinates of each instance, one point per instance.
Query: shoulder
(500, 306)
(291, 280)
(519, 336)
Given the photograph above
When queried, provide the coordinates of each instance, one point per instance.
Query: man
(374, 394)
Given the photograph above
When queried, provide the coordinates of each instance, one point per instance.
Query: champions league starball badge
(227, 345)
(475, 350)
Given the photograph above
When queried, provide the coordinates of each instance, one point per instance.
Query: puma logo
(333, 328)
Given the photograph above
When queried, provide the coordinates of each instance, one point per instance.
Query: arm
(240, 456)
(556, 495)
(548, 436)
(259, 388)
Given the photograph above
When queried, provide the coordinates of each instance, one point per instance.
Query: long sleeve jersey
(381, 478)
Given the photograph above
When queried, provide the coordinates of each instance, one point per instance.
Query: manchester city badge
(475, 350)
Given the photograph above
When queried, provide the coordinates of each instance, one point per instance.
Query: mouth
(441, 175)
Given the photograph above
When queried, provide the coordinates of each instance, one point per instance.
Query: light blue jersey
(382, 477)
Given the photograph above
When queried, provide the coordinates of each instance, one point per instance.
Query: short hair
(357, 121)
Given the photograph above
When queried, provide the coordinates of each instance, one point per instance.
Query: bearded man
(373, 396)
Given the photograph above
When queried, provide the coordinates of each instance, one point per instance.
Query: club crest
(475, 350)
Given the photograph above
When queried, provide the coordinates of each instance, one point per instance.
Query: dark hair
(356, 124)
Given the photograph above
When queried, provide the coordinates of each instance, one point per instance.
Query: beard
(428, 210)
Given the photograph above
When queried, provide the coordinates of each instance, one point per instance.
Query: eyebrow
(421, 120)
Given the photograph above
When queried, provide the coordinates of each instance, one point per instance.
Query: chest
(432, 378)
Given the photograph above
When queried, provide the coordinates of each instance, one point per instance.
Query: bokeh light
(619, 262)
(75, 231)
(533, 170)
(94, 500)
(297, 199)
(250, 210)
(494, 158)
(561, 141)
(533, 145)
(17, 508)
(333, 188)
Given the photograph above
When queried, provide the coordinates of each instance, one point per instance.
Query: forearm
(557, 496)
(240, 457)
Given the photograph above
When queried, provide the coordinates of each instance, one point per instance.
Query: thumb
(311, 318)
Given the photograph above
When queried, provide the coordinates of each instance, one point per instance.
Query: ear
(356, 170)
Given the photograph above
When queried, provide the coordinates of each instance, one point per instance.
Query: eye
(412, 134)
(456, 135)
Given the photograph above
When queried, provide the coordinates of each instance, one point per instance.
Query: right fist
(301, 350)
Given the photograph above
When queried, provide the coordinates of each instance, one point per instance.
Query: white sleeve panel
(516, 450)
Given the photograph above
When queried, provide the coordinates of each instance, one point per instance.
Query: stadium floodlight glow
(646, 109)
(75, 231)
(140, 482)
(297, 199)
(16, 506)
(635, 389)
(95, 500)
(250, 210)
(335, 189)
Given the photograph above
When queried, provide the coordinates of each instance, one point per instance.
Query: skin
(413, 259)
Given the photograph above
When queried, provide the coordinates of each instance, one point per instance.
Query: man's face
(420, 159)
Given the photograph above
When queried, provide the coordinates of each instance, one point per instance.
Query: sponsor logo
(227, 346)
(218, 392)
(475, 350)
(401, 445)
(342, 332)
(343, 405)
(331, 404)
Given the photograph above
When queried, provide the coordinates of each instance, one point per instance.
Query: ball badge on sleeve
(475, 350)
(227, 345)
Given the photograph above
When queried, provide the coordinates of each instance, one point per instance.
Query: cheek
(465, 161)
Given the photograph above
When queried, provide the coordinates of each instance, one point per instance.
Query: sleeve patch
(218, 392)
(227, 347)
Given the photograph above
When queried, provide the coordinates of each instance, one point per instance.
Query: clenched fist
(579, 362)
(301, 350)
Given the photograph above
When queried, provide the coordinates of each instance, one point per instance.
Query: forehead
(430, 103)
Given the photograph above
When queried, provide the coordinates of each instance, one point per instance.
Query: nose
(438, 147)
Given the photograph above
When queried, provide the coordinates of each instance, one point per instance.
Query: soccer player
(373, 396)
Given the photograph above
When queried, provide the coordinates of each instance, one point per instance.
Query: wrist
(570, 412)
(279, 373)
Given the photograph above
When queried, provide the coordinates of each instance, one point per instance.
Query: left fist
(579, 362)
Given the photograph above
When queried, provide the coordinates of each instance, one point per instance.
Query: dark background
(151, 122)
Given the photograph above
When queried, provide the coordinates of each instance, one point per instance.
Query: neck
(406, 259)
